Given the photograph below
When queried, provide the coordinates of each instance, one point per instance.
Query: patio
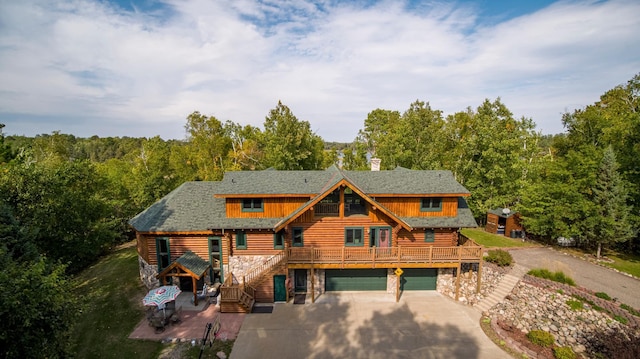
(193, 323)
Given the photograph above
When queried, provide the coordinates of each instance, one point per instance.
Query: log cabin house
(269, 234)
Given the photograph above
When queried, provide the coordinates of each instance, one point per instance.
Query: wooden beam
(195, 291)
(479, 277)
(313, 280)
(368, 265)
(458, 281)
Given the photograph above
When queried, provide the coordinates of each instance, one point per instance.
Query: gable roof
(200, 206)
(190, 263)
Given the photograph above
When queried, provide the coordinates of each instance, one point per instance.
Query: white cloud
(110, 72)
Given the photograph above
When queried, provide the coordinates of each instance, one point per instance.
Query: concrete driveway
(586, 274)
(366, 325)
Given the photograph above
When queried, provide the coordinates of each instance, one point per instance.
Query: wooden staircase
(240, 297)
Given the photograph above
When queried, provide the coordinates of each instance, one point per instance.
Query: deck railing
(347, 255)
(252, 277)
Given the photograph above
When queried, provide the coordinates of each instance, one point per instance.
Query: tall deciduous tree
(289, 144)
(208, 146)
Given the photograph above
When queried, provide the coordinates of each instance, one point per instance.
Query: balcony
(372, 257)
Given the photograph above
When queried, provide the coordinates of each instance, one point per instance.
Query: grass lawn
(111, 294)
(493, 240)
(625, 263)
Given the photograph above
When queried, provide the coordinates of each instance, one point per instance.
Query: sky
(138, 68)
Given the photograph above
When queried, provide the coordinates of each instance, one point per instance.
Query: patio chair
(203, 294)
(158, 323)
(176, 317)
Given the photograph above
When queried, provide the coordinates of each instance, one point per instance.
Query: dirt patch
(518, 336)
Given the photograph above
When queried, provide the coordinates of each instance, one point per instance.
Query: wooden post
(286, 284)
(458, 281)
(341, 207)
(397, 288)
(313, 280)
(479, 275)
(195, 291)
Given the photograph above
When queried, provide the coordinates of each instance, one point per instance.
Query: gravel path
(586, 274)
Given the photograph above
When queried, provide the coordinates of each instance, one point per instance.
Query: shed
(504, 222)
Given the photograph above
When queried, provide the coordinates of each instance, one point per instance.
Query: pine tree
(610, 196)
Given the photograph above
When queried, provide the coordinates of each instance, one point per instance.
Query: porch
(372, 257)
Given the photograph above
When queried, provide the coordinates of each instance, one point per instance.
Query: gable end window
(241, 240)
(353, 236)
(429, 236)
(431, 204)
(252, 205)
(297, 239)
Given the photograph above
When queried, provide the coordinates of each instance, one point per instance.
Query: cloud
(87, 67)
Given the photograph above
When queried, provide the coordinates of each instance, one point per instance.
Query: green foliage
(35, 304)
(559, 276)
(61, 205)
(500, 257)
(564, 353)
(575, 304)
(593, 305)
(289, 144)
(542, 338)
(630, 309)
(620, 319)
(602, 295)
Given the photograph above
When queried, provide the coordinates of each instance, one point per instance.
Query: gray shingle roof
(193, 262)
(192, 206)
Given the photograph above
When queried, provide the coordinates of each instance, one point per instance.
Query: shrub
(621, 319)
(559, 277)
(500, 257)
(542, 338)
(564, 353)
(615, 345)
(603, 295)
(575, 304)
(630, 309)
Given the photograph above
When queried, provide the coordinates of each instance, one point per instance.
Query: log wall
(273, 207)
(410, 206)
(443, 238)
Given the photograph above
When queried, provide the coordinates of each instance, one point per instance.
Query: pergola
(187, 265)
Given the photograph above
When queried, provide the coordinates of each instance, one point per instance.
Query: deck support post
(479, 284)
(286, 283)
(458, 281)
(195, 291)
(313, 281)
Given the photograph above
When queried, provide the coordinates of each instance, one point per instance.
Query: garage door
(419, 279)
(355, 279)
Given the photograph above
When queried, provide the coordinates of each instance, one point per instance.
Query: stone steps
(503, 289)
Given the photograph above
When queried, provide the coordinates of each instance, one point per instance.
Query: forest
(65, 201)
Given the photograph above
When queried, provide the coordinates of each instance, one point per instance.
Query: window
(297, 238)
(162, 252)
(215, 258)
(431, 204)
(429, 235)
(278, 240)
(252, 205)
(353, 236)
(241, 240)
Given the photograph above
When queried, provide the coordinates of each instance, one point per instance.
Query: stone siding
(148, 274)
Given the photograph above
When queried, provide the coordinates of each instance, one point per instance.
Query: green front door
(279, 288)
(418, 279)
(355, 279)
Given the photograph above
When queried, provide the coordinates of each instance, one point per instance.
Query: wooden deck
(372, 257)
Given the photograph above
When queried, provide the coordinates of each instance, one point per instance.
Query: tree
(289, 144)
(5, 149)
(611, 223)
(208, 146)
(36, 307)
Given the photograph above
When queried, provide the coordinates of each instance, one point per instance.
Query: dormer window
(252, 205)
(431, 204)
